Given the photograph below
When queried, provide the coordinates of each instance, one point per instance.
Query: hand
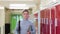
(28, 32)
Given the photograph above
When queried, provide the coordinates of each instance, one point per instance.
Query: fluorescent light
(18, 6)
(54, 0)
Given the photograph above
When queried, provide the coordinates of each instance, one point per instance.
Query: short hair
(25, 11)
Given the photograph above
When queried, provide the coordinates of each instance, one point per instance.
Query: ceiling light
(54, 0)
(18, 6)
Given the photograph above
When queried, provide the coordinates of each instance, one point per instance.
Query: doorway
(14, 20)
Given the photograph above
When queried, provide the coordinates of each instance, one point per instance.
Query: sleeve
(33, 30)
(15, 31)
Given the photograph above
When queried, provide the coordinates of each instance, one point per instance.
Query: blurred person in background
(26, 26)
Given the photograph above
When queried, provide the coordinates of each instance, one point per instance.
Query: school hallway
(44, 14)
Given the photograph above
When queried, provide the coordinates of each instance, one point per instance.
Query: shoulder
(21, 20)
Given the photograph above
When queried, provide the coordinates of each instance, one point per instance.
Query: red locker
(45, 15)
(41, 15)
(48, 16)
(53, 10)
(41, 22)
(50, 20)
(58, 19)
(44, 23)
(47, 21)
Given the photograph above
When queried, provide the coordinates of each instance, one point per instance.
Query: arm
(33, 30)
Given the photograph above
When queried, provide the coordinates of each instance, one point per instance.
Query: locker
(41, 22)
(46, 16)
(41, 15)
(44, 25)
(58, 19)
(53, 9)
(50, 20)
(41, 26)
(48, 26)
(44, 21)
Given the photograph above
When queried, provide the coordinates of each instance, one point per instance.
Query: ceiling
(47, 3)
(16, 0)
(6, 3)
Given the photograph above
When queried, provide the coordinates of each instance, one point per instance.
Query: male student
(26, 27)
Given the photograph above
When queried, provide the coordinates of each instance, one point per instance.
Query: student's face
(25, 15)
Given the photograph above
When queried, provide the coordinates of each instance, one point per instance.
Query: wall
(8, 14)
(2, 19)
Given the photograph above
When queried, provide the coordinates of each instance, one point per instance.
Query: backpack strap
(18, 29)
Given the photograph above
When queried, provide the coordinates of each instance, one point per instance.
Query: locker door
(43, 25)
(58, 19)
(46, 20)
(53, 9)
(41, 22)
(48, 12)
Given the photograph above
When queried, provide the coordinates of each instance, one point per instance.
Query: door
(58, 19)
(14, 20)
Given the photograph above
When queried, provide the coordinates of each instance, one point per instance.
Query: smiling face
(25, 14)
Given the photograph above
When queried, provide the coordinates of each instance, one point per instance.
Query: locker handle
(55, 22)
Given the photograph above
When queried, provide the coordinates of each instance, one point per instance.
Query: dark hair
(25, 11)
